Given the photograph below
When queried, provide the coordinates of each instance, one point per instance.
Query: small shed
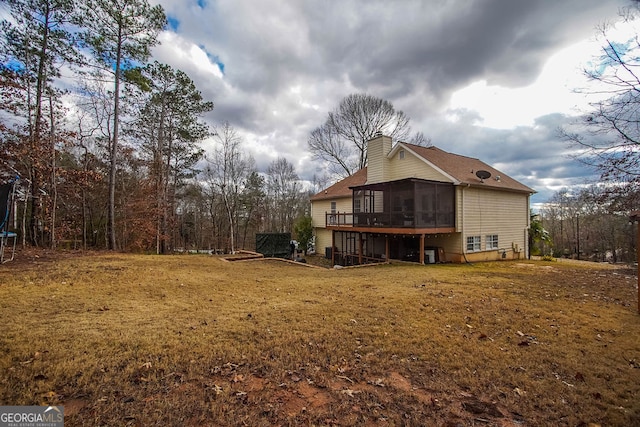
(274, 244)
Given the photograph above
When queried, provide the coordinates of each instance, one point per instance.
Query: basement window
(473, 243)
(491, 241)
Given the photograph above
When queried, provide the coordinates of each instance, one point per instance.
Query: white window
(491, 241)
(332, 218)
(401, 154)
(356, 205)
(473, 243)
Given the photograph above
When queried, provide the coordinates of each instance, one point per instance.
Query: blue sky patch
(173, 23)
(213, 58)
(202, 3)
(221, 66)
(14, 65)
(608, 58)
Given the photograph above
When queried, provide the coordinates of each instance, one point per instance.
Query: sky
(491, 79)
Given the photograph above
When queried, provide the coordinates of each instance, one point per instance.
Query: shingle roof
(341, 188)
(463, 169)
(460, 168)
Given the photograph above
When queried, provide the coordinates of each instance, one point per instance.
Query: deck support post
(333, 248)
(386, 247)
(634, 218)
(422, 249)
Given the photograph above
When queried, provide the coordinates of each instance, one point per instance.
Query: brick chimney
(377, 162)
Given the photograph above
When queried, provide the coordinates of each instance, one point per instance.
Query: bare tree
(286, 198)
(226, 174)
(253, 205)
(342, 140)
(93, 115)
(561, 214)
(419, 139)
(608, 137)
(583, 224)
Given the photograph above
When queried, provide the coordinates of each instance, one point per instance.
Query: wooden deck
(391, 230)
(378, 224)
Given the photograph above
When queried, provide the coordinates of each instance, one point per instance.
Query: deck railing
(339, 219)
(389, 219)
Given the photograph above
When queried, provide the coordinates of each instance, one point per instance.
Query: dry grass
(192, 340)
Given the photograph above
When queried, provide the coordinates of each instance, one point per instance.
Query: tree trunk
(111, 211)
(84, 198)
(35, 137)
(231, 221)
(54, 188)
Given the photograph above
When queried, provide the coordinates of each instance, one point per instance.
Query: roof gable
(461, 169)
(421, 162)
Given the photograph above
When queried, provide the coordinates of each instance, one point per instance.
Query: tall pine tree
(36, 43)
(119, 34)
(168, 126)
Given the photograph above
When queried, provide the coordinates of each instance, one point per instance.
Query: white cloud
(185, 54)
(469, 76)
(561, 87)
(554, 91)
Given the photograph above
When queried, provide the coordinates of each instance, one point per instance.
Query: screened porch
(407, 203)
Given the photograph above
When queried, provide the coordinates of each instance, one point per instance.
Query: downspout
(462, 241)
(527, 252)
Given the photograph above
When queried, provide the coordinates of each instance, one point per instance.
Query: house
(421, 204)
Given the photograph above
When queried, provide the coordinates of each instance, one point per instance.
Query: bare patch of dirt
(398, 381)
(73, 406)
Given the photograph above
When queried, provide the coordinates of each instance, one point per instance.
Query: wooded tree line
(585, 225)
(108, 145)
